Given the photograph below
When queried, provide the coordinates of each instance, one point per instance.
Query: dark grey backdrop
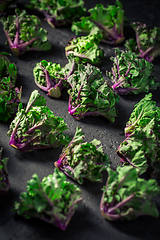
(87, 222)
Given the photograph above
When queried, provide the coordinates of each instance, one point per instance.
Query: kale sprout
(126, 196)
(51, 77)
(9, 94)
(86, 49)
(59, 13)
(109, 22)
(147, 43)
(24, 33)
(53, 200)
(82, 159)
(36, 127)
(131, 74)
(90, 94)
(141, 148)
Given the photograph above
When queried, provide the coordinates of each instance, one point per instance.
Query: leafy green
(24, 33)
(131, 74)
(9, 94)
(51, 77)
(147, 43)
(141, 147)
(109, 22)
(126, 196)
(59, 13)
(86, 49)
(84, 26)
(53, 200)
(90, 94)
(36, 127)
(82, 159)
(4, 179)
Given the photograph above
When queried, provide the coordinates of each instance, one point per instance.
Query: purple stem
(146, 54)
(16, 40)
(72, 110)
(50, 19)
(113, 36)
(12, 140)
(22, 47)
(25, 147)
(14, 143)
(125, 159)
(138, 43)
(41, 87)
(15, 44)
(105, 29)
(114, 86)
(128, 69)
(8, 38)
(61, 166)
(122, 91)
(48, 79)
(120, 204)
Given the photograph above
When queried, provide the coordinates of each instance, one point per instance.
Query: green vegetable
(131, 74)
(86, 49)
(141, 146)
(53, 200)
(82, 159)
(59, 13)
(51, 77)
(109, 22)
(147, 43)
(90, 94)
(9, 94)
(24, 33)
(4, 179)
(126, 196)
(36, 127)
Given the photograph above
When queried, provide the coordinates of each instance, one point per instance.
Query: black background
(87, 223)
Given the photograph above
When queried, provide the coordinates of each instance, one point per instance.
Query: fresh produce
(24, 33)
(109, 22)
(131, 74)
(126, 196)
(141, 148)
(59, 13)
(53, 200)
(51, 77)
(36, 127)
(4, 179)
(85, 49)
(90, 94)
(9, 94)
(147, 43)
(82, 159)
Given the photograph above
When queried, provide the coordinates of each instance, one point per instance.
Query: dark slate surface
(87, 223)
